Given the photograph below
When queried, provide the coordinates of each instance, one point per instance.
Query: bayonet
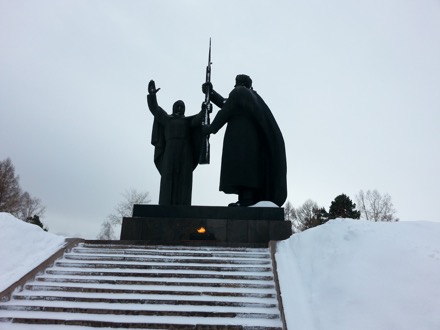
(205, 151)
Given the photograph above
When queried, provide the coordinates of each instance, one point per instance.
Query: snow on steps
(149, 287)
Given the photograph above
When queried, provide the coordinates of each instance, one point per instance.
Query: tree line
(371, 205)
(14, 200)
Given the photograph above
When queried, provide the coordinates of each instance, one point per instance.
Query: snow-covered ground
(356, 274)
(23, 247)
(345, 274)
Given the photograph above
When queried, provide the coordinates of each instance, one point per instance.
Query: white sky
(353, 86)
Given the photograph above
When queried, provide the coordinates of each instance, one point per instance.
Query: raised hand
(152, 88)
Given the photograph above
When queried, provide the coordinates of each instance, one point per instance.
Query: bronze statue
(177, 140)
(254, 157)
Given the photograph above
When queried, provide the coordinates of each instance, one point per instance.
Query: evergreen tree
(317, 217)
(321, 215)
(35, 220)
(343, 207)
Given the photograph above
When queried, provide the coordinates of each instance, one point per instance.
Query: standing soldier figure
(254, 157)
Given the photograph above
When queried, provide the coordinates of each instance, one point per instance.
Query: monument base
(205, 225)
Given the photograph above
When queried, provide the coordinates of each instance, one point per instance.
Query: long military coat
(253, 148)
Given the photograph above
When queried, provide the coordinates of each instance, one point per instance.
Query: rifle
(205, 152)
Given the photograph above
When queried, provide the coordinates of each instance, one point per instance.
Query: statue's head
(243, 80)
(179, 108)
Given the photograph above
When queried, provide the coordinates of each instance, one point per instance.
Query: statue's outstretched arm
(217, 99)
(221, 118)
(154, 107)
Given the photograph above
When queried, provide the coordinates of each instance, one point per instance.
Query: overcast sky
(353, 85)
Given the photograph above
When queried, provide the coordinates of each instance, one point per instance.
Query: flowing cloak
(177, 143)
(254, 154)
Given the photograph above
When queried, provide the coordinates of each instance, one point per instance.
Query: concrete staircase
(149, 287)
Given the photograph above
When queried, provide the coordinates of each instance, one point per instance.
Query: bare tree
(107, 232)
(12, 199)
(289, 212)
(10, 191)
(304, 213)
(309, 215)
(123, 209)
(290, 215)
(30, 207)
(375, 207)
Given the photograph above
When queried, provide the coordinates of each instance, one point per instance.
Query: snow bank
(354, 274)
(23, 246)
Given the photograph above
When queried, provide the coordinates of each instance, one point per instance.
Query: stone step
(152, 283)
(175, 248)
(150, 287)
(133, 309)
(138, 312)
(138, 296)
(133, 325)
(143, 301)
(173, 253)
(124, 258)
(220, 293)
(180, 275)
(174, 267)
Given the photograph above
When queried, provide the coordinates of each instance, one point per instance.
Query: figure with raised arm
(177, 140)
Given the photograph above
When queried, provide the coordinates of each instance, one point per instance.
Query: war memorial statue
(177, 140)
(253, 167)
(254, 157)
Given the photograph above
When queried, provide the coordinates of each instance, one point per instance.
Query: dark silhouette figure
(254, 157)
(177, 140)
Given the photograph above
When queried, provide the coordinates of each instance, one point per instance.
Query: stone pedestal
(226, 226)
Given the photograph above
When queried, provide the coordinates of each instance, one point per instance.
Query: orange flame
(201, 230)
